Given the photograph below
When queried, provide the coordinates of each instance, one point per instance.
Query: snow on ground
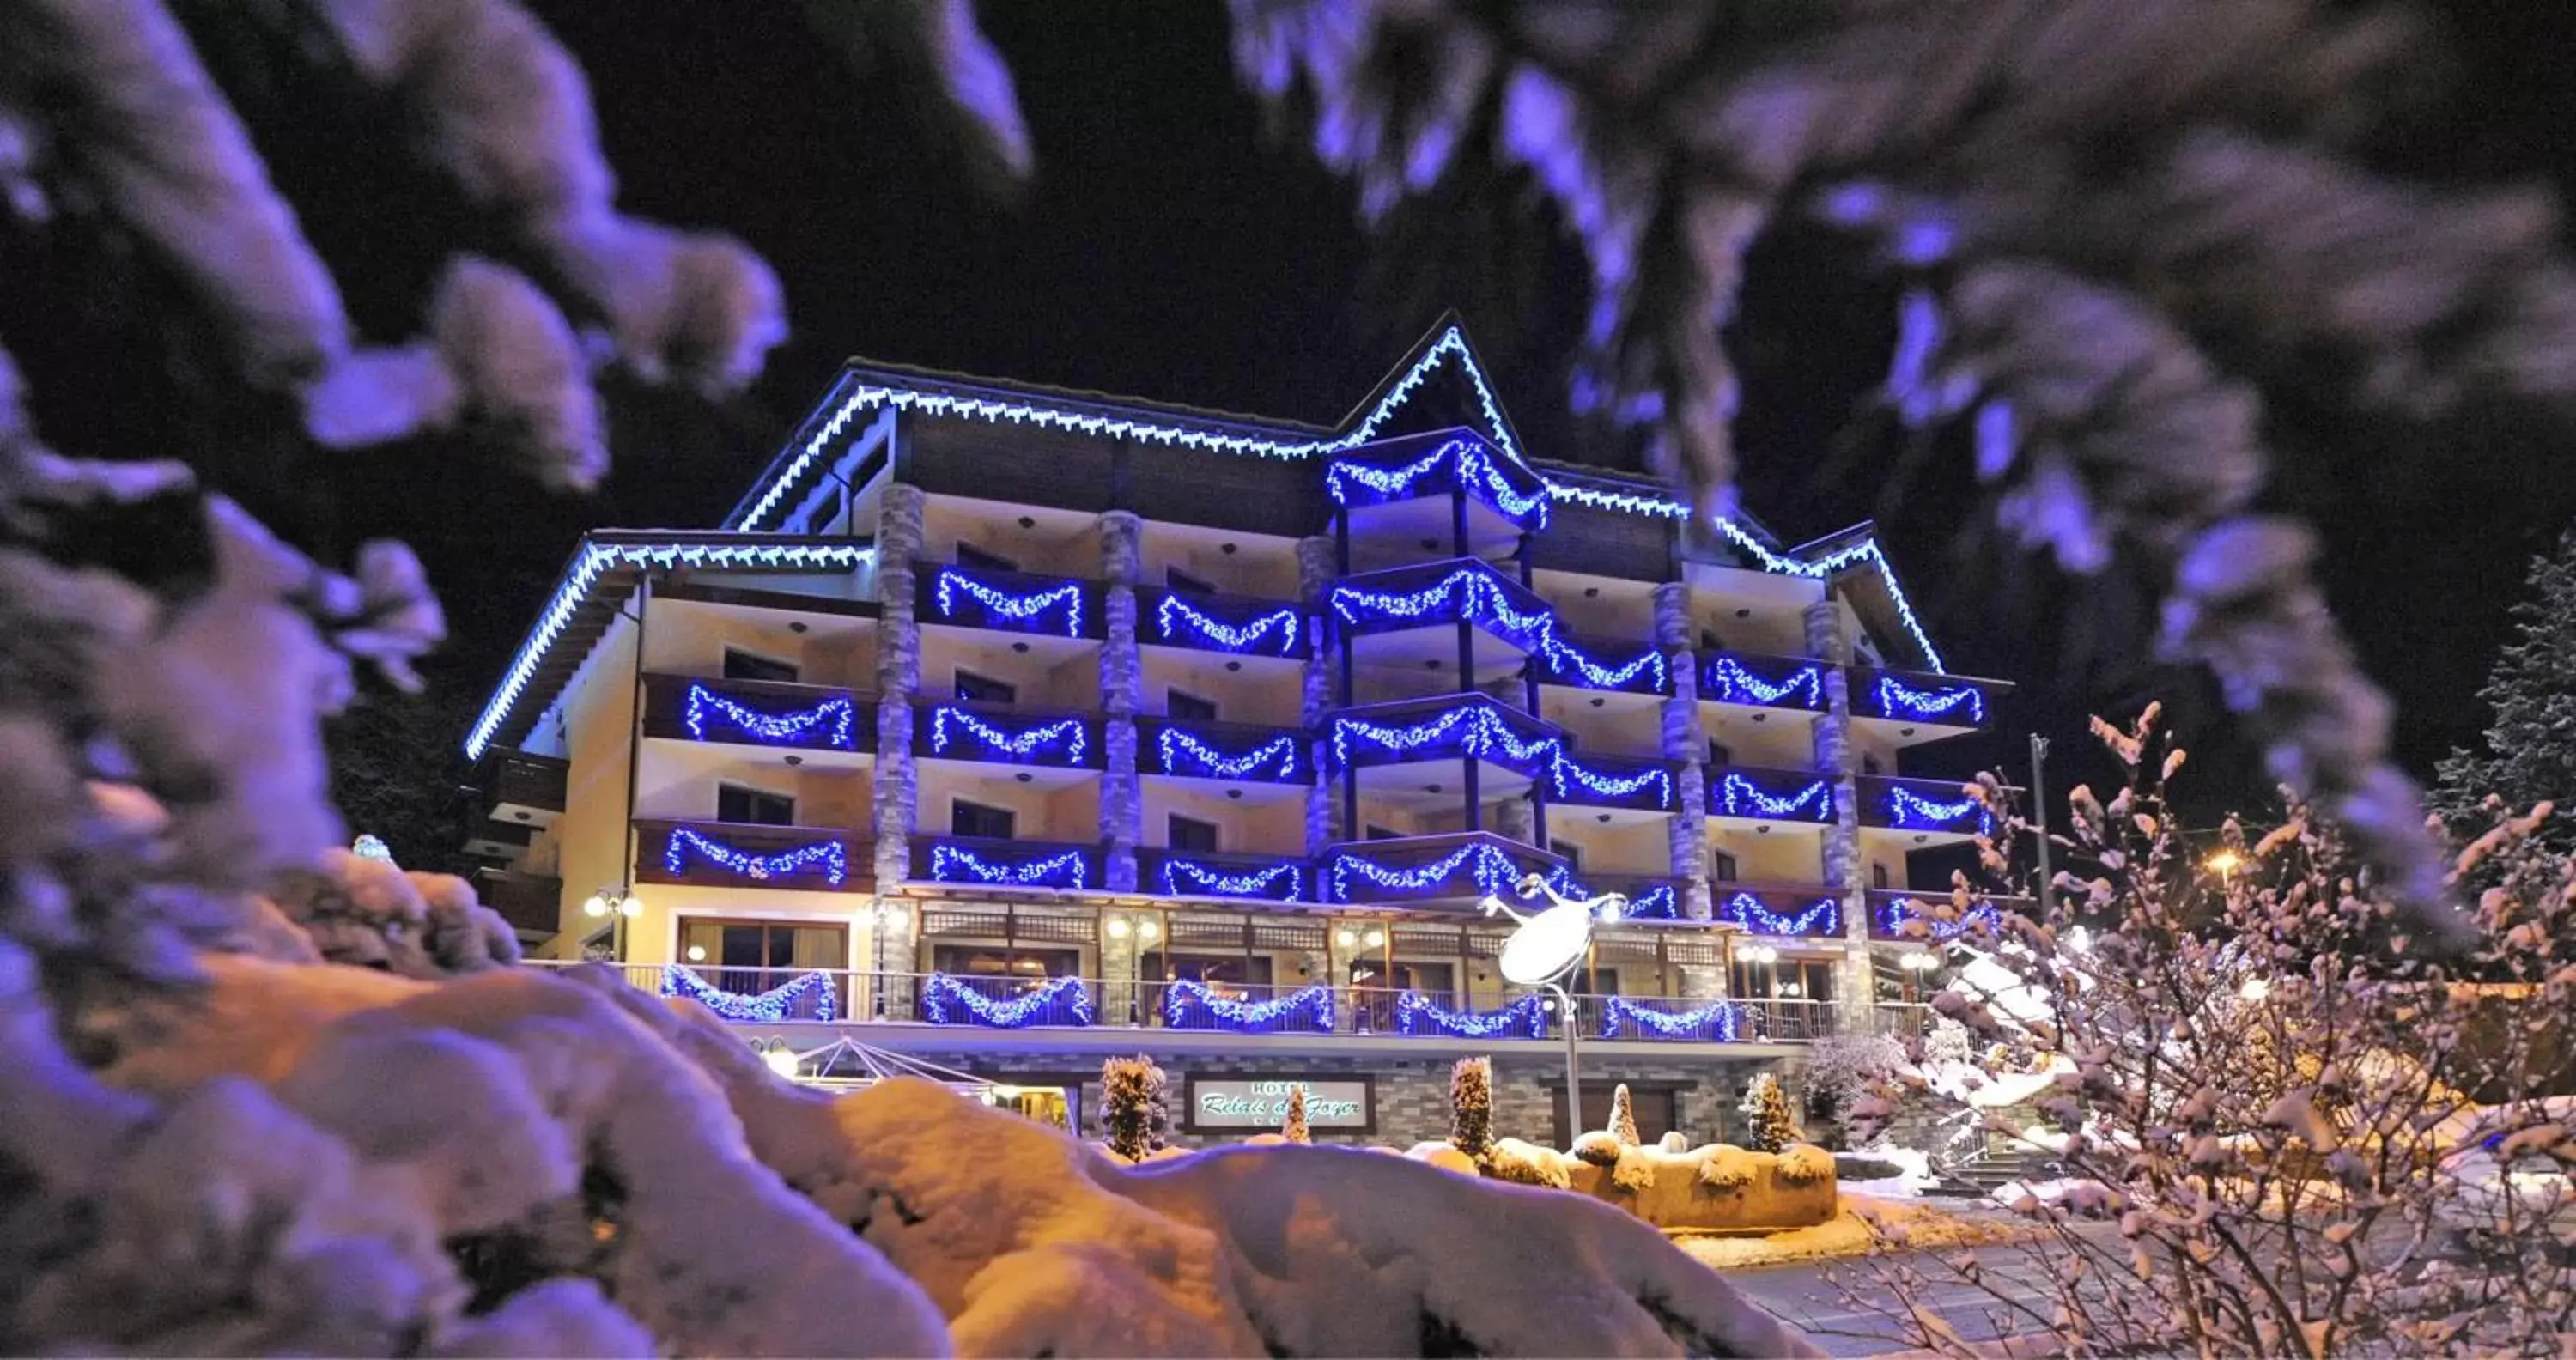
(1914, 1176)
(1862, 1223)
(1980, 1089)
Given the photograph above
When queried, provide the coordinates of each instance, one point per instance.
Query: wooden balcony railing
(514, 782)
(1442, 727)
(976, 861)
(531, 903)
(1923, 699)
(1237, 752)
(1932, 915)
(1427, 594)
(1249, 877)
(1239, 624)
(1925, 805)
(749, 855)
(1753, 794)
(770, 713)
(957, 730)
(1783, 910)
(1008, 601)
(1633, 782)
(1758, 681)
(1426, 869)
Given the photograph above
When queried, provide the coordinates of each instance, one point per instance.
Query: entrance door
(1653, 1108)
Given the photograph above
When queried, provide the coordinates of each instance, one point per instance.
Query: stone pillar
(1514, 820)
(898, 680)
(1122, 796)
(1838, 757)
(1315, 574)
(1119, 955)
(1685, 741)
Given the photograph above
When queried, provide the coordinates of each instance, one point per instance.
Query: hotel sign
(1258, 1104)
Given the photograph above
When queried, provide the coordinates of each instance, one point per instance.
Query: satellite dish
(1547, 945)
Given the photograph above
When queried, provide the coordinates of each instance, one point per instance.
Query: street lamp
(620, 905)
(1546, 950)
(2225, 863)
(1916, 962)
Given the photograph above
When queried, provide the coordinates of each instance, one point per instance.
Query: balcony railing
(752, 855)
(759, 713)
(1763, 681)
(1239, 624)
(1593, 663)
(1931, 805)
(1444, 727)
(1440, 463)
(1248, 877)
(1651, 897)
(1429, 868)
(1427, 594)
(1918, 917)
(1759, 795)
(517, 785)
(980, 862)
(531, 903)
(1611, 781)
(1011, 736)
(1243, 752)
(1918, 697)
(1784, 910)
(1011, 601)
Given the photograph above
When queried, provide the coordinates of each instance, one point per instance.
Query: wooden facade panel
(1605, 543)
(1229, 491)
(1022, 464)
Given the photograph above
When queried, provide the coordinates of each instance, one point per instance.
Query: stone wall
(1122, 799)
(1856, 989)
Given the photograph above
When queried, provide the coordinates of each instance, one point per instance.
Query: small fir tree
(1126, 1105)
(1768, 1125)
(1623, 1116)
(2529, 751)
(1471, 1108)
(1293, 1128)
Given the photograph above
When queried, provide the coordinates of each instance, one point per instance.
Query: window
(978, 819)
(1571, 853)
(1189, 833)
(968, 555)
(742, 665)
(1180, 703)
(737, 803)
(1382, 833)
(1878, 876)
(1719, 754)
(751, 957)
(1004, 961)
(1236, 969)
(985, 689)
(1186, 583)
(1653, 1109)
(1721, 867)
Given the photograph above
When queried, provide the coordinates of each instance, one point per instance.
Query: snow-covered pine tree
(1623, 1116)
(2529, 751)
(1158, 1109)
(1126, 1103)
(1768, 1125)
(1293, 1128)
(1471, 1107)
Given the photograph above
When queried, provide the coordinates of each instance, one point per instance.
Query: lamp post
(1546, 950)
(618, 904)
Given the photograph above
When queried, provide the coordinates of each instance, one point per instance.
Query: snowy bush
(1634, 1172)
(1521, 1163)
(1600, 1147)
(1623, 1116)
(1292, 1127)
(1471, 1106)
(1127, 1094)
(1840, 1069)
(1727, 1169)
(1672, 1142)
(1801, 1163)
(1768, 1124)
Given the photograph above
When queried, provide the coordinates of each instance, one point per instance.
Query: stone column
(898, 680)
(1118, 995)
(1122, 797)
(1685, 741)
(1514, 820)
(1839, 758)
(1315, 574)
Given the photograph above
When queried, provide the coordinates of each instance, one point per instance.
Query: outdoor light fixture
(1118, 927)
(2254, 988)
(1916, 961)
(783, 1060)
(1376, 939)
(697, 953)
(1760, 953)
(1345, 938)
(612, 901)
(2225, 863)
(1148, 932)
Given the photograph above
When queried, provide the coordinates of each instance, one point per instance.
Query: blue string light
(1569, 774)
(1658, 903)
(1892, 917)
(1469, 592)
(832, 856)
(1473, 729)
(1730, 682)
(1494, 871)
(1822, 917)
(1023, 744)
(947, 1000)
(1189, 1004)
(1277, 883)
(1914, 812)
(955, 864)
(798, 727)
(1469, 468)
(1897, 699)
(767, 1008)
(1715, 1022)
(1186, 755)
(1002, 604)
(1525, 1018)
(1738, 796)
(1185, 624)
(1566, 660)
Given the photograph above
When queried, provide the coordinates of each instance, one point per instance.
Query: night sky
(1173, 246)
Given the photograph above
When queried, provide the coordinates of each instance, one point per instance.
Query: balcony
(1928, 808)
(1398, 605)
(1600, 664)
(521, 789)
(1651, 897)
(788, 717)
(1610, 782)
(1244, 877)
(974, 861)
(750, 855)
(1441, 463)
(1749, 794)
(1010, 736)
(1756, 681)
(1901, 917)
(1919, 706)
(1237, 624)
(1446, 727)
(1007, 601)
(1232, 752)
(1788, 911)
(531, 903)
(1426, 869)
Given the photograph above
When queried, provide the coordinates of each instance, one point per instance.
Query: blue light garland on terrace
(1187, 878)
(768, 1008)
(1892, 917)
(1897, 699)
(1823, 917)
(1470, 591)
(1730, 682)
(797, 728)
(1020, 745)
(1484, 732)
(1000, 603)
(1180, 619)
(1186, 755)
(1190, 1004)
(947, 1000)
(1494, 871)
(1738, 796)
(1914, 812)
(1713, 1022)
(1568, 774)
(832, 856)
(1565, 659)
(1523, 1019)
(1470, 467)
(1069, 869)
(1658, 903)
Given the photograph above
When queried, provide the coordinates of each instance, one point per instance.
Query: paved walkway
(1801, 1295)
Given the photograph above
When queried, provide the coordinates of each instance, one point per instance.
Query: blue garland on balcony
(1523, 1019)
(1184, 754)
(1823, 917)
(1896, 699)
(1568, 774)
(1730, 682)
(1189, 1004)
(831, 855)
(1484, 732)
(1179, 619)
(1715, 1021)
(1019, 608)
(1914, 812)
(768, 1008)
(1188, 878)
(1565, 659)
(947, 1000)
(1066, 870)
(1020, 745)
(796, 728)
(1738, 796)
(1470, 591)
(1892, 917)
(1494, 871)
(1474, 468)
